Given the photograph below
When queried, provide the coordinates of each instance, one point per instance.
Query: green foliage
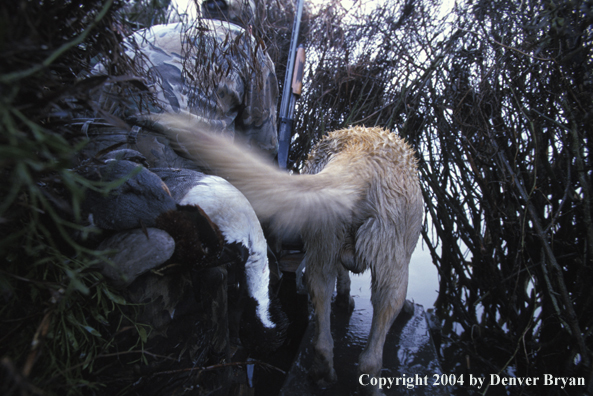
(58, 316)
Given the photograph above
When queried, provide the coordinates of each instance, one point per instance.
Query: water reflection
(423, 285)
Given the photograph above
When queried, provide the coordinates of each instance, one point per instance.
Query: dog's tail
(288, 202)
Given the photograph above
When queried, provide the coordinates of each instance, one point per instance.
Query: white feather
(234, 216)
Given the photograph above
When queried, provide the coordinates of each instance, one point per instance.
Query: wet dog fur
(357, 205)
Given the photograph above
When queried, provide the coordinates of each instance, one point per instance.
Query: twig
(222, 365)
(521, 52)
(507, 46)
(11, 77)
(22, 383)
(131, 352)
(571, 316)
(522, 338)
(119, 354)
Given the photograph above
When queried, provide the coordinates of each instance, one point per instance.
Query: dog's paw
(322, 373)
(326, 381)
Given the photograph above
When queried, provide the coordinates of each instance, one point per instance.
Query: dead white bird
(233, 215)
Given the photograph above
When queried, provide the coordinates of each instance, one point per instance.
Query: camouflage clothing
(216, 71)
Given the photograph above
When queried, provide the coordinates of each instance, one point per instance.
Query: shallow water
(409, 350)
(423, 284)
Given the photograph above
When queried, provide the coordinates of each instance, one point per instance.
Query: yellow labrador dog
(357, 206)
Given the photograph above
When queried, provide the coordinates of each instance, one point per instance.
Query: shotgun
(293, 83)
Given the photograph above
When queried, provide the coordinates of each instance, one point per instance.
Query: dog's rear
(381, 235)
(358, 207)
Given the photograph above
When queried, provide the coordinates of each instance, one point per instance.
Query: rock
(135, 254)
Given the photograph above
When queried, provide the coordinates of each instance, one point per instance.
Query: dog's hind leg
(321, 280)
(389, 288)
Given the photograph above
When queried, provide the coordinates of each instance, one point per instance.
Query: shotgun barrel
(288, 92)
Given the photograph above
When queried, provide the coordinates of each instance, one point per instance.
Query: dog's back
(390, 204)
